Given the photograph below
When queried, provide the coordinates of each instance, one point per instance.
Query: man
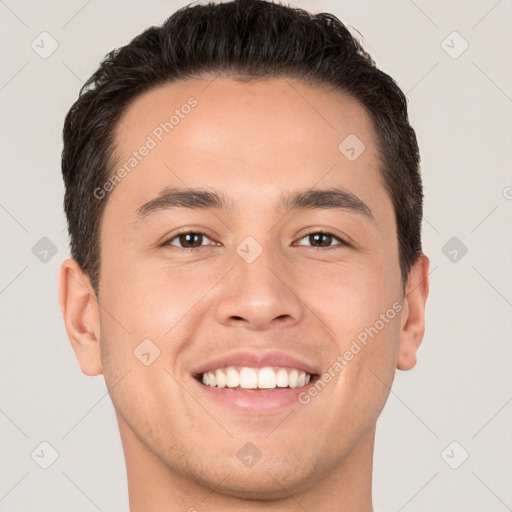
(244, 205)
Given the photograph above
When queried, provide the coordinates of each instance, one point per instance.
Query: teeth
(248, 378)
(221, 379)
(253, 378)
(293, 379)
(282, 378)
(267, 378)
(233, 378)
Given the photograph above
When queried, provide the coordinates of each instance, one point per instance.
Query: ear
(80, 311)
(413, 313)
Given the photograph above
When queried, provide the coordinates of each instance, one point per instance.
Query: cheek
(369, 328)
(148, 300)
(351, 296)
(141, 294)
(369, 347)
(360, 310)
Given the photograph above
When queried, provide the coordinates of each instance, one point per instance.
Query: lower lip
(254, 401)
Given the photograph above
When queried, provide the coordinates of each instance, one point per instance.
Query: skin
(250, 142)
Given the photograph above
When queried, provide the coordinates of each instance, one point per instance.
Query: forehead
(258, 109)
(251, 140)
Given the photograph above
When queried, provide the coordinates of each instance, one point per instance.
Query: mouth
(255, 383)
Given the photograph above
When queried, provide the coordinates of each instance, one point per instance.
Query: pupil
(317, 237)
(188, 239)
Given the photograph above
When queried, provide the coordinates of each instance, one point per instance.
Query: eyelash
(342, 242)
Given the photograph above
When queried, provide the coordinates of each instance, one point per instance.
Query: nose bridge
(259, 289)
(257, 270)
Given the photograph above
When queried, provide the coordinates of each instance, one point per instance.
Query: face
(247, 286)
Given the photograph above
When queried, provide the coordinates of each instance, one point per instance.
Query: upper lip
(256, 359)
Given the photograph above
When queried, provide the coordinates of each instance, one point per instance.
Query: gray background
(460, 389)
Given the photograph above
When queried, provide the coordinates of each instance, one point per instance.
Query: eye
(321, 240)
(188, 240)
(194, 240)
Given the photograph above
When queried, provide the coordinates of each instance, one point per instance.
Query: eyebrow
(308, 199)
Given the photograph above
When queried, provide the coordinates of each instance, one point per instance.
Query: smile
(247, 378)
(255, 382)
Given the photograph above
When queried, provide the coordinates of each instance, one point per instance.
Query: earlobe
(80, 312)
(413, 313)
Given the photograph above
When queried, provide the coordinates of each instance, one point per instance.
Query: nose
(259, 295)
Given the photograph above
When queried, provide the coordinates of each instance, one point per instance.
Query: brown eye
(323, 240)
(189, 240)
